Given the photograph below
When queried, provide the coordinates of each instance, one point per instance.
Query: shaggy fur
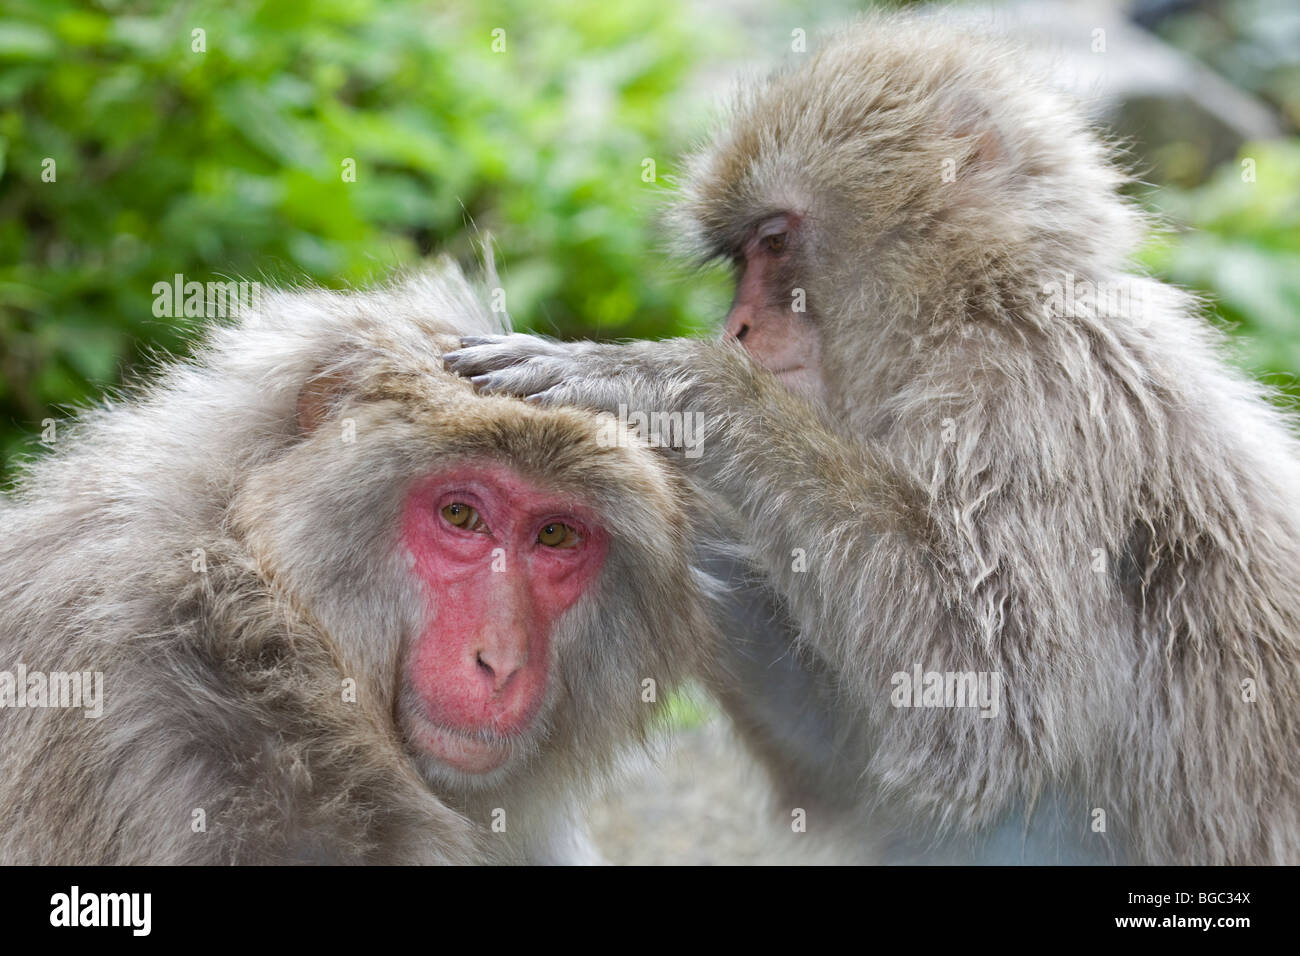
(223, 689)
(1082, 497)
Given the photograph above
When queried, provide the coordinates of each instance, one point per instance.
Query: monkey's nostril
(742, 332)
(498, 667)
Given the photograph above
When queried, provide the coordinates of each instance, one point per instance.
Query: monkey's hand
(592, 375)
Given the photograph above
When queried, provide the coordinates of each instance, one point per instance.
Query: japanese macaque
(312, 600)
(1037, 543)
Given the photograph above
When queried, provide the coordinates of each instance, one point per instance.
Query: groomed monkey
(964, 438)
(344, 610)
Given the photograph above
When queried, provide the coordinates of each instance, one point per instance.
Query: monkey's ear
(988, 149)
(975, 124)
(318, 397)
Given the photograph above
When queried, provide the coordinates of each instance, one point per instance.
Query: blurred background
(140, 140)
(211, 139)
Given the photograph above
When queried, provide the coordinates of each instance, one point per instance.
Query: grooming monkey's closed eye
(771, 236)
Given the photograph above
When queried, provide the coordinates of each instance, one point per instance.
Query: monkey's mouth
(796, 378)
(468, 753)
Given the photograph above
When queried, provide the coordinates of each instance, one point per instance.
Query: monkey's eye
(775, 243)
(558, 535)
(462, 516)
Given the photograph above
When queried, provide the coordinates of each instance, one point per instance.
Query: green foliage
(229, 163)
(1238, 241)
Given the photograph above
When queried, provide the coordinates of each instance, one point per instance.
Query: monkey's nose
(737, 325)
(498, 666)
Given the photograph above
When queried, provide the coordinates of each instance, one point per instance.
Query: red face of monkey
(768, 314)
(501, 561)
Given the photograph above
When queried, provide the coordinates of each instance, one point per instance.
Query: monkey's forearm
(826, 516)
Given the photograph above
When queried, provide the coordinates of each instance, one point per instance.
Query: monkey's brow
(730, 243)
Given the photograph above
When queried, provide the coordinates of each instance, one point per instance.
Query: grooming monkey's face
(500, 561)
(769, 316)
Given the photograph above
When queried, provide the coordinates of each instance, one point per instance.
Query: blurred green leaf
(25, 41)
(1237, 239)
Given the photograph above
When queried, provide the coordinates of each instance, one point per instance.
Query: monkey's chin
(464, 752)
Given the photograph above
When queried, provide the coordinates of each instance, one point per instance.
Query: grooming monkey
(962, 436)
(344, 609)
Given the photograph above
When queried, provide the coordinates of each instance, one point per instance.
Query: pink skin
(481, 667)
(762, 317)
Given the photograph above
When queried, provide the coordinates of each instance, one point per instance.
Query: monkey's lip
(788, 370)
(469, 754)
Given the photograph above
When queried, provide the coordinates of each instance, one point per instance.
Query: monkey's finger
(593, 394)
(520, 380)
(518, 342)
(478, 359)
(555, 395)
(499, 353)
(488, 383)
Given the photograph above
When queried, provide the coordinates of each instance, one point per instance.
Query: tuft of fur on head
(223, 686)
